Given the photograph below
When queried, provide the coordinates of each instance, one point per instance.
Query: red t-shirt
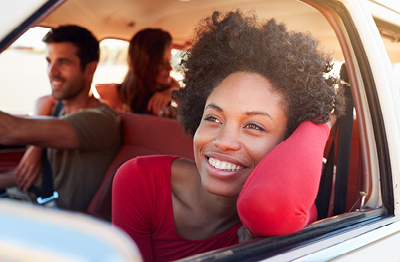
(277, 198)
(142, 207)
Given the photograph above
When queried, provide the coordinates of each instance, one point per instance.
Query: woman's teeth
(223, 165)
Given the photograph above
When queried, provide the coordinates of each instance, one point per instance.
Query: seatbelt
(325, 185)
(342, 162)
(47, 196)
(343, 154)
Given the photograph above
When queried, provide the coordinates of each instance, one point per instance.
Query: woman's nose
(228, 138)
(169, 67)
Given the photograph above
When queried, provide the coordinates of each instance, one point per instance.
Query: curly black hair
(234, 42)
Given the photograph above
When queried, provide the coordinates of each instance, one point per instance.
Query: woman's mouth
(222, 165)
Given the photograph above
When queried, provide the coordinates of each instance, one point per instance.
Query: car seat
(141, 135)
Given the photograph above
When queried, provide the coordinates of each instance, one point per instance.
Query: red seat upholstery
(353, 183)
(141, 135)
(9, 159)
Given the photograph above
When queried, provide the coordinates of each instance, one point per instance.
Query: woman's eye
(212, 119)
(255, 127)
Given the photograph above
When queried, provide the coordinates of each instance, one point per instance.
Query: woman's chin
(164, 81)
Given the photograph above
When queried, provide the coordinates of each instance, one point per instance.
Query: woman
(252, 92)
(147, 86)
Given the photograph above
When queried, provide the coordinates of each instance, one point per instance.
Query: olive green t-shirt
(77, 174)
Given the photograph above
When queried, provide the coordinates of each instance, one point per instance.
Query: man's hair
(83, 39)
(233, 42)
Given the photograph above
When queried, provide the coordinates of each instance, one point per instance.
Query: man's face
(64, 70)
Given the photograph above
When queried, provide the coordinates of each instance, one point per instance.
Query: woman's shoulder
(44, 105)
(150, 162)
(144, 170)
(109, 95)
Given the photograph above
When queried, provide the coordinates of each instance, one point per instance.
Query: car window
(23, 77)
(391, 39)
(113, 64)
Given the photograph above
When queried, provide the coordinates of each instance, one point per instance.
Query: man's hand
(29, 167)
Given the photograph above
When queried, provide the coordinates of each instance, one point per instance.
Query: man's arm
(43, 131)
(30, 165)
(7, 180)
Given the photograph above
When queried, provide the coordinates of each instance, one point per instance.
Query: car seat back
(355, 177)
(141, 135)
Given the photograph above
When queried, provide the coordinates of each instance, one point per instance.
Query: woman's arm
(160, 100)
(44, 105)
(278, 197)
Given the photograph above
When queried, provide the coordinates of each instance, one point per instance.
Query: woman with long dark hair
(148, 85)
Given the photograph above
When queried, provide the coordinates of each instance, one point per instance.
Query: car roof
(123, 18)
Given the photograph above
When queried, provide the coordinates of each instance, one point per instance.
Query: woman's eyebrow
(214, 106)
(252, 113)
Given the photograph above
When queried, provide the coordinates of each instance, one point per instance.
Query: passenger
(256, 100)
(148, 85)
(83, 140)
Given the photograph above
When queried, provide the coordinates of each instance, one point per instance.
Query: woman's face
(243, 120)
(165, 68)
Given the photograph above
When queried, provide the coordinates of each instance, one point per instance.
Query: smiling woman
(244, 115)
(251, 93)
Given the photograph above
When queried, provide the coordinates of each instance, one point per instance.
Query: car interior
(349, 193)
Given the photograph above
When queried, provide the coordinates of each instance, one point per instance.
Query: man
(83, 140)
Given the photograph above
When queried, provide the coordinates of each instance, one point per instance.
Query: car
(358, 201)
